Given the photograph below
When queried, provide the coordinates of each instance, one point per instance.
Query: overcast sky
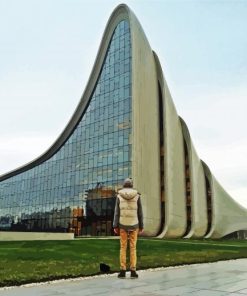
(47, 50)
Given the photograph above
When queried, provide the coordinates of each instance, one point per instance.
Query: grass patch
(35, 261)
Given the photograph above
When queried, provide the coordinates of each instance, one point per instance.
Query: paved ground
(212, 279)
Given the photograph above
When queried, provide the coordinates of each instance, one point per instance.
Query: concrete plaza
(209, 279)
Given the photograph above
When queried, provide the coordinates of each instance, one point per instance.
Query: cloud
(240, 194)
(20, 150)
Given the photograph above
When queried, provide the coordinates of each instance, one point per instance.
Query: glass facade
(74, 190)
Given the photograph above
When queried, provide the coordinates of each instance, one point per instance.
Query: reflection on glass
(74, 190)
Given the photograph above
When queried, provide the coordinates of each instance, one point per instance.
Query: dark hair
(128, 185)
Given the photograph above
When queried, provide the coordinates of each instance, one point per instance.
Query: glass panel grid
(74, 190)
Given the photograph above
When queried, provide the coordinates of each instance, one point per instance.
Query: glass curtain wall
(74, 191)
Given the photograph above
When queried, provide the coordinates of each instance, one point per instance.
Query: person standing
(128, 222)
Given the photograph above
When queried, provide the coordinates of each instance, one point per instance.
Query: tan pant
(123, 244)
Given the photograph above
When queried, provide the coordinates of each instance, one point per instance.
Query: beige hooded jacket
(128, 213)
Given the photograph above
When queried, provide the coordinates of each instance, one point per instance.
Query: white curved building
(125, 125)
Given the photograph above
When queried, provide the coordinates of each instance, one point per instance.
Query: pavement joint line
(112, 274)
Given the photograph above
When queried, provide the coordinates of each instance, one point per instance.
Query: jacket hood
(127, 193)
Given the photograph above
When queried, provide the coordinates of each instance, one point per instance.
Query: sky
(47, 51)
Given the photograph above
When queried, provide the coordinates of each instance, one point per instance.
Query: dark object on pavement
(104, 267)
